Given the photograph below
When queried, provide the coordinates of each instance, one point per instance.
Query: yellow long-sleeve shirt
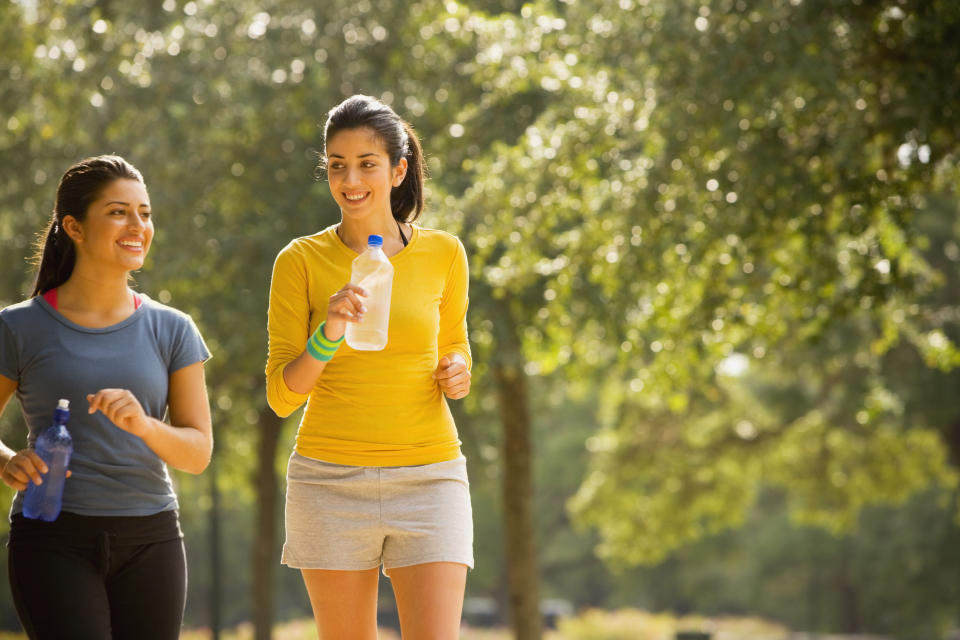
(372, 408)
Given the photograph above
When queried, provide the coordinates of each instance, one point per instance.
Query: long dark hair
(356, 112)
(55, 255)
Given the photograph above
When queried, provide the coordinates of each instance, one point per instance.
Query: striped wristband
(321, 347)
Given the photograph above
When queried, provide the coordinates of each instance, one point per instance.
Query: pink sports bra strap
(51, 298)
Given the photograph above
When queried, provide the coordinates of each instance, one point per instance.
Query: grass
(305, 630)
(301, 630)
(594, 624)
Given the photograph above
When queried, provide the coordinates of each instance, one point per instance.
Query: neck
(87, 290)
(354, 233)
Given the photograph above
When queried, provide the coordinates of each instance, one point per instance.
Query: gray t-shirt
(50, 357)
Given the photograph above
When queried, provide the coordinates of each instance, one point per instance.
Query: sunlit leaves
(658, 189)
(772, 206)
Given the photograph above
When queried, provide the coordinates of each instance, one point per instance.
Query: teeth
(127, 243)
(356, 197)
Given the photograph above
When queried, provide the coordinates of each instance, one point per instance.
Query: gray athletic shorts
(355, 518)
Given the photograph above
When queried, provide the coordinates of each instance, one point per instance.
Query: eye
(119, 212)
(146, 215)
(335, 165)
(368, 164)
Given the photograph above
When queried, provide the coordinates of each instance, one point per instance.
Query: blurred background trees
(715, 252)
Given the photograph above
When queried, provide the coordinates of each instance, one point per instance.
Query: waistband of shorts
(85, 531)
(296, 455)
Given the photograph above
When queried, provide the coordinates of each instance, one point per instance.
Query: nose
(135, 222)
(352, 177)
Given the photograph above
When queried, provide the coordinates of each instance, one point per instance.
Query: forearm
(5, 454)
(182, 447)
(302, 373)
(7, 388)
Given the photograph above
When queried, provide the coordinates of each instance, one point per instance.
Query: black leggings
(98, 578)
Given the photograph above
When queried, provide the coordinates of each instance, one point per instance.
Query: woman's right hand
(344, 306)
(23, 468)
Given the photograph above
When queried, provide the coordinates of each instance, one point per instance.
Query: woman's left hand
(122, 408)
(453, 376)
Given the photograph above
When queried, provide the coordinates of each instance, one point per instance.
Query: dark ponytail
(54, 258)
(55, 255)
(400, 140)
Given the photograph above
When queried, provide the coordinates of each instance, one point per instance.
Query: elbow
(280, 398)
(196, 468)
(202, 460)
(279, 407)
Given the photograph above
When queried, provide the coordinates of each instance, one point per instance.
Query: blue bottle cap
(375, 241)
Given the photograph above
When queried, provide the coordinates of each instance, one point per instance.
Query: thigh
(429, 599)
(344, 603)
(332, 516)
(59, 593)
(427, 515)
(147, 590)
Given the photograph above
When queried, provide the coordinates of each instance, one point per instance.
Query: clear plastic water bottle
(55, 446)
(372, 271)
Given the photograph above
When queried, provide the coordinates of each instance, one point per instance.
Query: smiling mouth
(356, 197)
(132, 245)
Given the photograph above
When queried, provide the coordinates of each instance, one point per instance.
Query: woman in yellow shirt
(376, 477)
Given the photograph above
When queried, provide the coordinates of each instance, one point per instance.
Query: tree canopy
(718, 241)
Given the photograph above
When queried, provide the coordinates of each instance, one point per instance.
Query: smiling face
(117, 229)
(359, 172)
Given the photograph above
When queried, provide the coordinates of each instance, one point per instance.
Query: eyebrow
(125, 204)
(365, 155)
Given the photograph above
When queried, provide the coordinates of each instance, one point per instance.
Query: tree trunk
(266, 524)
(849, 598)
(951, 438)
(521, 548)
(215, 566)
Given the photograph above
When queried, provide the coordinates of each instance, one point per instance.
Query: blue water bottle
(54, 445)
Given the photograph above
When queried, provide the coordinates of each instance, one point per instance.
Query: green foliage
(728, 231)
(894, 575)
(777, 180)
(630, 624)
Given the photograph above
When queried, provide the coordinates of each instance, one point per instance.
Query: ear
(72, 228)
(400, 172)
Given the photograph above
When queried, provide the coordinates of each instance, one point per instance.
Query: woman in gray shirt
(112, 564)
